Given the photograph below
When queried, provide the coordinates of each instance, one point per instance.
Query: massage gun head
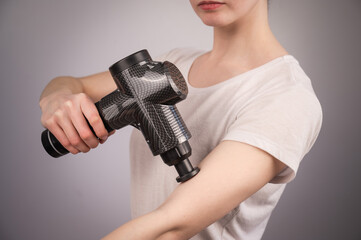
(153, 88)
(157, 82)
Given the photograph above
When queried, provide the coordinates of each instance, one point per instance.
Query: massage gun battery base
(145, 98)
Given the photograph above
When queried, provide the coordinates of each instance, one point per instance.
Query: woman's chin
(214, 22)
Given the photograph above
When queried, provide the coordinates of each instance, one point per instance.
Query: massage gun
(145, 98)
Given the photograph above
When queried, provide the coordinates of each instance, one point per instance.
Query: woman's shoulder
(284, 72)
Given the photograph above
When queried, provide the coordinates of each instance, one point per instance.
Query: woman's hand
(65, 115)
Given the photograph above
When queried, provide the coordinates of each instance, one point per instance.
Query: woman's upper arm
(98, 85)
(231, 173)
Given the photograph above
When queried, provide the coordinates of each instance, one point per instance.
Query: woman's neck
(249, 41)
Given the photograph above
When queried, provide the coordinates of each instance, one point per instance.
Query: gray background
(86, 196)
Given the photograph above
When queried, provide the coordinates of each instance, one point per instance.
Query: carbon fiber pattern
(162, 127)
(176, 78)
(118, 110)
(145, 99)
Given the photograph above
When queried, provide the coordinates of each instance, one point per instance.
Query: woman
(253, 116)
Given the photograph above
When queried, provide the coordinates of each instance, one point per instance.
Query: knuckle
(94, 119)
(49, 122)
(58, 114)
(68, 104)
(73, 150)
(66, 144)
(46, 121)
(75, 141)
(86, 135)
(82, 96)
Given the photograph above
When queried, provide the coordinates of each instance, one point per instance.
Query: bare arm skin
(231, 173)
(64, 103)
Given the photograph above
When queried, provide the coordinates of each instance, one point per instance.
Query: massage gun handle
(110, 106)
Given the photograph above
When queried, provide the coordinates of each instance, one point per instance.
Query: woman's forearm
(148, 227)
(95, 86)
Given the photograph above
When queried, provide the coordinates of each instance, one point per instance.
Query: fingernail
(104, 138)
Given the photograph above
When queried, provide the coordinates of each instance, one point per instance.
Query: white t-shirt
(272, 107)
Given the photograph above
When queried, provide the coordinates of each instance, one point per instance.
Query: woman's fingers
(62, 138)
(70, 131)
(82, 128)
(109, 134)
(92, 115)
(68, 117)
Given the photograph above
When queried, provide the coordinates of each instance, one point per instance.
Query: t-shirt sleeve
(284, 124)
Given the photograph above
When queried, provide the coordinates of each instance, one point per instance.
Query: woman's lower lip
(210, 6)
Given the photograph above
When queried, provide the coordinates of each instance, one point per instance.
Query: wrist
(61, 86)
